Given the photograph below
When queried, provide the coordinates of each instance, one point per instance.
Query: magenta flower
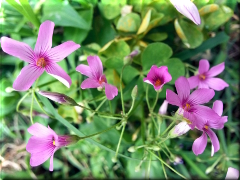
(200, 143)
(96, 78)
(205, 77)
(42, 58)
(188, 9)
(158, 77)
(232, 173)
(44, 143)
(189, 104)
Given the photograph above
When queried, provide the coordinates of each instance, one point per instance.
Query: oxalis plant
(124, 88)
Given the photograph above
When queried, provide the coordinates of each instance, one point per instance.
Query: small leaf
(129, 23)
(154, 54)
(145, 22)
(114, 63)
(157, 36)
(191, 36)
(208, 9)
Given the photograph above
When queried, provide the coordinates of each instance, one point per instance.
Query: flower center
(187, 120)
(54, 142)
(158, 82)
(186, 107)
(202, 76)
(41, 62)
(206, 127)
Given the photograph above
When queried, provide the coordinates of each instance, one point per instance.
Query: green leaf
(189, 33)
(217, 18)
(157, 36)
(154, 54)
(63, 14)
(114, 63)
(129, 23)
(145, 22)
(208, 9)
(118, 49)
(109, 11)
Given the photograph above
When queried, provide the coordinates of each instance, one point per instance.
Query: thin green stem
(154, 122)
(31, 107)
(105, 130)
(155, 102)
(166, 117)
(149, 167)
(164, 171)
(130, 110)
(20, 101)
(119, 142)
(166, 153)
(147, 98)
(169, 127)
(167, 149)
(121, 91)
(167, 165)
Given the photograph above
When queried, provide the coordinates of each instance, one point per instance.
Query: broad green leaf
(217, 18)
(70, 113)
(146, 20)
(155, 19)
(116, 48)
(114, 63)
(109, 11)
(208, 9)
(129, 23)
(157, 36)
(189, 33)
(154, 54)
(63, 14)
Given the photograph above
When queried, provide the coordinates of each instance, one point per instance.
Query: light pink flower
(189, 104)
(188, 9)
(158, 76)
(96, 78)
(232, 173)
(42, 58)
(200, 143)
(205, 77)
(44, 143)
(163, 108)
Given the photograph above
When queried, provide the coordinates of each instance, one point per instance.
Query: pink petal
(111, 91)
(39, 144)
(61, 51)
(57, 72)
(18, 49)
(181, 128)
(152, 74)
(215, 70)
(199, 144)
(217, 84)
(44, 40)
(90, 83)
(193, 119)
(163, 108)
(40, 131)
(232, 173)
(218, 107)
(40, 157)
(172, 98)
(96, 66)
(183, 88)
(85, 70)
(201, 96)
(214, 140)
(203, 85)
(27, 77)
(188, 9)
(193, 81)
(203, 66)
(51, 160)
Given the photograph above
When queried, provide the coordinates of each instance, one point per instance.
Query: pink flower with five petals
(42, 58)
(205, 77)
(96, 78)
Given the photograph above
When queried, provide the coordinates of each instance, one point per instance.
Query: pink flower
(189, 104)
(232, 173)
(158, 77)
(188, 9)
(96, 78)
(163, 108)
(42, 58)
(205, 78)
(200, 143)
(44, 143)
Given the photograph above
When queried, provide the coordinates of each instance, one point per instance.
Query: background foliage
(164, 37)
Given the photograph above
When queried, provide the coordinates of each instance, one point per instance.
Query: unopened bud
(99, 88)
(132, 149)
(58, 97)
(114, 159)
(134, 92)
(179, 130)
(137, 168)
(163, 108)
(128, 59)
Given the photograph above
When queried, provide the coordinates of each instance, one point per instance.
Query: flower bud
(155, 148)
(134, 92)
(132, 149)
(128, 59)
(179, 130)
(58, 97)
(163, 108)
